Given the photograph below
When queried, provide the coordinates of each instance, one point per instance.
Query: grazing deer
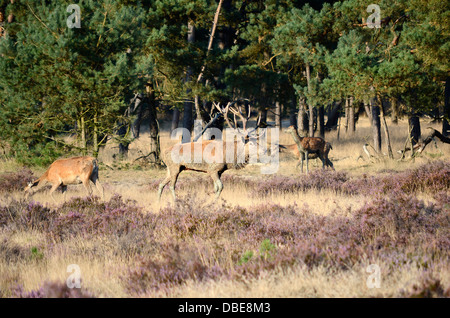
(63, 172)
(181, 157)
(306, 146)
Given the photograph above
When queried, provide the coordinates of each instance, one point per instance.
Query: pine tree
(59, 80)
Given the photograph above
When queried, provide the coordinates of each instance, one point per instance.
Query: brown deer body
(306, 146)
(210, 163)
(73, 170)
(293, 149)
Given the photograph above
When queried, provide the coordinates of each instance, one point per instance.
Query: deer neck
(296, 137)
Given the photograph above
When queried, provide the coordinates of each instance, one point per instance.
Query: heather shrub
(427, 287)
(430, 178)
(12, 253)
(194, 240)
(23, 215)
(15, 181)
(177, 264)
(52, 290)
(404, 221)
(89, 217)
(315, 180)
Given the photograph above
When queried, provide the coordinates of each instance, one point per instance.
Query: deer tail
(36, 182)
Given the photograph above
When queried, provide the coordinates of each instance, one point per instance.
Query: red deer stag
(215, 154)
(307, 146)
(63, 172)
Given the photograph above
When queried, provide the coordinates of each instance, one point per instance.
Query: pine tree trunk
(138, 109)
(175, 119)
(278, 114)
(83, 135)
(446, 121)
(351, 116)
(187, 113)
(414, 124)
(386, 132)
(155, 148)
(376, 126)
(333, 116)
(310, 106)
(263, 114)
(292, 115)
(321, 122)
(346, 114)
(95, 135)
(302, 118)
(368, 111)
(394, 112)
(199, 78)
(198, 112)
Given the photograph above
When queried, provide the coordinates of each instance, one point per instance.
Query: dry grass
(302, 283)
(102, 266)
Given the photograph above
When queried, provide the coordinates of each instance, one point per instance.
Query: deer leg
(64, 191)
(218, 186)
(330, 164)
(298, 163)
(163, 184)
(322, 158)
(54, 187)
(306, 159)
(173, 181)
(99, 187)
(87, 186)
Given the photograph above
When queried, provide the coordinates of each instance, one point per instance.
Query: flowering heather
(177, 264)
(427, 287)
(90, 217)
(25, 215)
(401, 230)
(430, 178)
(315, 180)
(79, 216)
(200, 241)
(15, 181)
(52, 290)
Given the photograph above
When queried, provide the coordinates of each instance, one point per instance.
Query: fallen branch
(430, 137)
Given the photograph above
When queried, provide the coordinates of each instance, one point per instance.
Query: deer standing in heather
(307, 146)
(181, 157)
(63, 172)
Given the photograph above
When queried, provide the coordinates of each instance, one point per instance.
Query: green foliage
(56, 81)
(266, 249)
(53, 76)
(266, 252)
(247, 256)
(36, 254)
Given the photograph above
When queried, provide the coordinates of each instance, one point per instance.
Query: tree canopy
(58, 81)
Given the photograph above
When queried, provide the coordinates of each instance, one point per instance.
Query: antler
(238, 112)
